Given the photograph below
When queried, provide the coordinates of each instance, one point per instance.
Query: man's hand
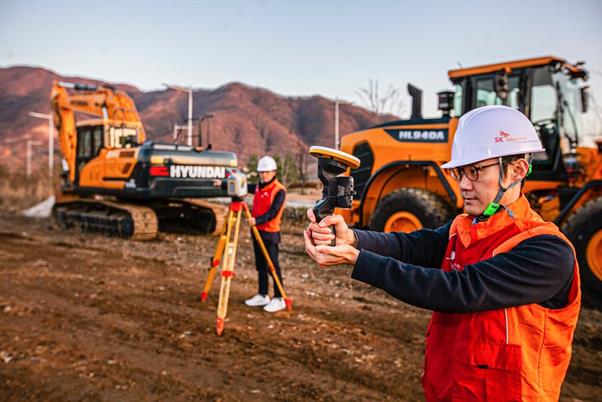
(251, 221)
(217, 183)
(327, 256)
(321, 234)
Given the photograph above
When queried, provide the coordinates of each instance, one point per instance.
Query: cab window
(544, 102)
(89, 142)
(485, 92)
(458, 100)
(544, 113)
(122, 137)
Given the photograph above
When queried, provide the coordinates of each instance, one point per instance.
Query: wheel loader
(116, 182)
(400, 185)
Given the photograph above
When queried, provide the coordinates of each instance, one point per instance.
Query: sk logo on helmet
(503, 137)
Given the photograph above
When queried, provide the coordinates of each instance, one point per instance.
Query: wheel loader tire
(409, 209)
(584, 230)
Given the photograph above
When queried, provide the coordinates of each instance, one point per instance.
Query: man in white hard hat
(268, 205)
(502, 283)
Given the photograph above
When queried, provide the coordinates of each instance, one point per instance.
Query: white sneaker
(258, 300)
(276, 304)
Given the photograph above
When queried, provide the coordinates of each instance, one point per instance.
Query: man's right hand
(321, 234)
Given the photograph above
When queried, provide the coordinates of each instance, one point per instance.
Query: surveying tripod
(225, 253)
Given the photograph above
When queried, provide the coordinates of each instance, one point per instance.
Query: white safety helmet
(266, 164)
(492, 132)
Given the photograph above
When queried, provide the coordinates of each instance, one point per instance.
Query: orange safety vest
(264, 197)
(512, 354)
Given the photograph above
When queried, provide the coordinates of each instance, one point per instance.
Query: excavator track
(219, 212)
(108, 217)
(190, 216)
(138, 222)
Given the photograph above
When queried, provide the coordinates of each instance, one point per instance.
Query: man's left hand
(251, 221)
(327, 256)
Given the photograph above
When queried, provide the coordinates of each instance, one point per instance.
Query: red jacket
(514, 354)
(264, 197)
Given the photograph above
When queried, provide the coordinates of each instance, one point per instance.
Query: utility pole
(189, 90)
(29, 145)
(207, 117)
(190, 116)
(337, 137)
(50, 139)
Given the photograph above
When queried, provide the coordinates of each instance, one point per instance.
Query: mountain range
(246, 119)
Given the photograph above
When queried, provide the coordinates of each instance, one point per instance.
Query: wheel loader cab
(548, 90)
(545, 90)
(488, 89)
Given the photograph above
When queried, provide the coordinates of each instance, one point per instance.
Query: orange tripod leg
(228, 268)
(289, 302)
(215, 261)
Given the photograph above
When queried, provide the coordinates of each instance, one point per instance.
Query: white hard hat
(491, 132)
(266, 164)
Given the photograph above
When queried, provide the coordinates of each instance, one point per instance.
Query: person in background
(268, 205)
(503, 284)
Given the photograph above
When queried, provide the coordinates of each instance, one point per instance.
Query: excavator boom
(115, 107)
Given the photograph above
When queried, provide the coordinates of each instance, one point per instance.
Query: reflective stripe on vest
(264, 197)
(512, 354)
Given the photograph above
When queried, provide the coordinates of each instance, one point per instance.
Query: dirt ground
(86, 317)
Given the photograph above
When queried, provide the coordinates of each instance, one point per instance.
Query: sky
(295, 48)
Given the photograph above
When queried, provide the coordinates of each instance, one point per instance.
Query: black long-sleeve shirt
(538, 270)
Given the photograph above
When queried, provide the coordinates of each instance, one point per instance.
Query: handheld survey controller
(337, 191)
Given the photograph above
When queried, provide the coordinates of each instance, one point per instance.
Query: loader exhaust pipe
(416, 95)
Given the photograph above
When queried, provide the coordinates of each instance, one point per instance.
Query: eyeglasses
(471, 171)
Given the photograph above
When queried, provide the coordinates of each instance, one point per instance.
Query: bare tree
(380, 103)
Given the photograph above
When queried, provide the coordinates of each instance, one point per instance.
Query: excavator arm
(106, 102)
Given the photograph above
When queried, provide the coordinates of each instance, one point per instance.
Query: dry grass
(18, 192)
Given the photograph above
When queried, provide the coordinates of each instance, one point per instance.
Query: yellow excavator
(401, 187)
(116, 182)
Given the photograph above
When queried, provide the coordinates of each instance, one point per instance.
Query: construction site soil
(87, 317)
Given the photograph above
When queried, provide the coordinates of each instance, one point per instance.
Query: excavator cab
(95, 135)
